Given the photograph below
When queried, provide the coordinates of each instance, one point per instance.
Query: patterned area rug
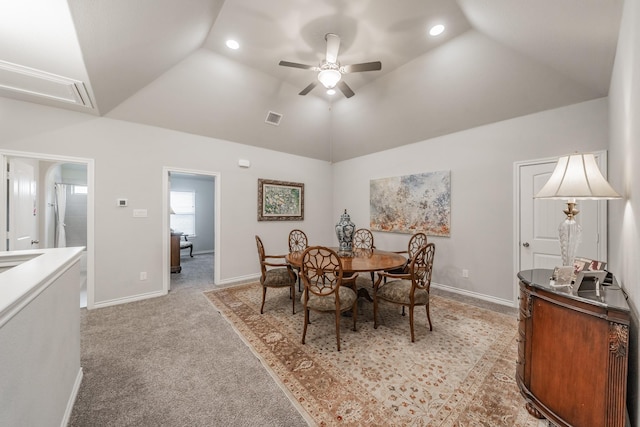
(459, 374)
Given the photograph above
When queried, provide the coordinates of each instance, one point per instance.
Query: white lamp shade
(329, 78)
(577, 177)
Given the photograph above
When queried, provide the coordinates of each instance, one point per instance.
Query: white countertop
(37, 267)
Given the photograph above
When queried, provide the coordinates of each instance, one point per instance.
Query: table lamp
(575, 177)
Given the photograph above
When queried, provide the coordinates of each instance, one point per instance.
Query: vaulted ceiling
(165, 63)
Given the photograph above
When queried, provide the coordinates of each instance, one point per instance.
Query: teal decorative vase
(344, 231)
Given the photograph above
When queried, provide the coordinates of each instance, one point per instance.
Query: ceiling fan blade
(365, 66)
(344, 88)
(296, 65)
(333, 46)
(307, 89)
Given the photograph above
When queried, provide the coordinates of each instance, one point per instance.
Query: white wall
(129, 161)
(481, 162)
(624, 175)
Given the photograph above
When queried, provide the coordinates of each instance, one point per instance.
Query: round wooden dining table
(361, 261)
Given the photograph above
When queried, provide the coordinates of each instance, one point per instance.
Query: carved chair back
(297, 241)
(363, 239)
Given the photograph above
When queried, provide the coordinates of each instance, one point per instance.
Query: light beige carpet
(459, 374)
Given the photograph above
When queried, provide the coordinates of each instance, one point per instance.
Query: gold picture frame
(280, 200)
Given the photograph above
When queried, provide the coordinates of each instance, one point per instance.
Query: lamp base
(570, 234)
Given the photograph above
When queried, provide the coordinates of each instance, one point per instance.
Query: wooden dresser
(572, 352)
(175, 252)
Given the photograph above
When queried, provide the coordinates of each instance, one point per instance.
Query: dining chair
(298, 242)
(409, 290)
(325, 288)
(275, 274)
(416, 241)
(363, 239)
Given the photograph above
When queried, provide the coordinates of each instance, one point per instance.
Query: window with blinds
(183, 212)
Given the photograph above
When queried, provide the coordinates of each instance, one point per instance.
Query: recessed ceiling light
(232, 44)
(436, 30)
(331, 92)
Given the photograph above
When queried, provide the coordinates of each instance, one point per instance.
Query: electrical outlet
(143, 275)
(465, 273)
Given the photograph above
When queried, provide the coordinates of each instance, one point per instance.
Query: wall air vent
(273, 118)
(29, 81)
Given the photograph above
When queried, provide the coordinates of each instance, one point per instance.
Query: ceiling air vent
(273, 118)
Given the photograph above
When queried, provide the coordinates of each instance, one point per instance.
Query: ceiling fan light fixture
(331, 91)
(329, 78)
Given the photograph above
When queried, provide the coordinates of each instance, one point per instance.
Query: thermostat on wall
(122, 202)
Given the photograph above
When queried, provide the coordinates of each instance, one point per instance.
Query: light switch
(139, 213)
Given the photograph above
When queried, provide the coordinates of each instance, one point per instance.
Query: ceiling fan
(330, 71)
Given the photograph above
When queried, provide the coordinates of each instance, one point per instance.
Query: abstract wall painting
(280, 200)
(412, 203)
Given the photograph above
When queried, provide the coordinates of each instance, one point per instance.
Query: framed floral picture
(280, 200)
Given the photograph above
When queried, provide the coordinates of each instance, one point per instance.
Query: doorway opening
(49, 204)
(191, 198)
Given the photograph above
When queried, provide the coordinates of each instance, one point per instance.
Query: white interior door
(539, 220)
(22, 205)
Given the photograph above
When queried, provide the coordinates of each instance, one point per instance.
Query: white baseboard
(72, 399)
(133, 298)
(474, 295)
(210, 251)
(240, 279)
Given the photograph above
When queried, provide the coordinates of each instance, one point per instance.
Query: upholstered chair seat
(278, 278)
(275, 272)
(399, 292)
(328, 303)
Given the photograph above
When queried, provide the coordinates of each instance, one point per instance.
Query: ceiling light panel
(29, 81)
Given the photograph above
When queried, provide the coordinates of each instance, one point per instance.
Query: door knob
(35, 242)
(525, 244)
